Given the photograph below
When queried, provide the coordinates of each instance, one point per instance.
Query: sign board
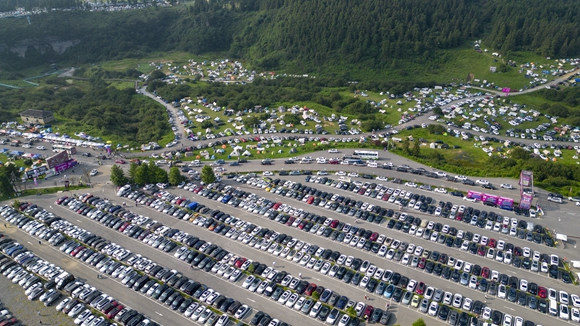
(57, 159)
(65, 166)
(41, 170)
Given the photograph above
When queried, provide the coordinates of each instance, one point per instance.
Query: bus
(69, 148)
(351, 159)
(367, 155)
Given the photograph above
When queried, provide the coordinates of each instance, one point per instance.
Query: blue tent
(16, 153)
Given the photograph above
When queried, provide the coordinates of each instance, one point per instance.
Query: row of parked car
(84, 299)
(6, 318)
(265, 280)
(300, 252)
(474, 243)
(456, 265)
(180, 293)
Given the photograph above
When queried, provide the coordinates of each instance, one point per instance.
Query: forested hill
(303, 35)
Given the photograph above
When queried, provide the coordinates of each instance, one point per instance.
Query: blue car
(389, 291)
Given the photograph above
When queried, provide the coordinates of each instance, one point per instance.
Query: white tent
(247, 153)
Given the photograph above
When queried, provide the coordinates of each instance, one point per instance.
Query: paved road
(110, 286)
(555, 82)
(260, 302)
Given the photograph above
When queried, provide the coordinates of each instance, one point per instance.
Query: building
(36, 116)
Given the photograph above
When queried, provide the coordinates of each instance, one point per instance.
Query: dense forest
(300, 35)
(98, 107)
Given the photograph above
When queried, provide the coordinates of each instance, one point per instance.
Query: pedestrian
(39, 242)
(40, 322)
(300, 275)
(38, 312)
(485, 296)
(366, 297)
(4, 224)
(274, 264)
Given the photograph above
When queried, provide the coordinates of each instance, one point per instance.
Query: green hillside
(338, 37)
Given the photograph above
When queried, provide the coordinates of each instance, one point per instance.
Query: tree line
(304, 36)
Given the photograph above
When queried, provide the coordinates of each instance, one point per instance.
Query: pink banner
(65, 166)
(474, 195)
(505, 202)
(489, 198)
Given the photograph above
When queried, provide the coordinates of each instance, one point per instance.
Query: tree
(207, 124)
(437, 110)
(157, 74)
(251, 121)
(419, 322)
(207, 174)
(519, 153)
(416, 148)
(133, 171)
(6, 187)
(406, 146)
(175, 177)
(156, 174)
(143, 175)
(118, 177)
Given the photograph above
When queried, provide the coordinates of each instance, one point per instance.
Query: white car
(268, 173)
(94, 172)
(441, 190)
(481, 181)
(333, 150)
(341, 173)
(506, 186)
(40, 148)
(411, 184)
(433, 308)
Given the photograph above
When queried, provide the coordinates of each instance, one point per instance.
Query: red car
(291, 220)
(485, 272)
(239, 262)
(422, 262)
(124, 226)
(542, 292)
(310, 200)
(310, 289)
(334, 223)
(61, 199)
(374, 236)
(76, 251)
(420, 289)
(120, 161)
(481, 250)
(115, 311)
(368, 312)
(492, 243)
(386, 197)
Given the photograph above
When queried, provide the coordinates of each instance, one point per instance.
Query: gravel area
(26, 311)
